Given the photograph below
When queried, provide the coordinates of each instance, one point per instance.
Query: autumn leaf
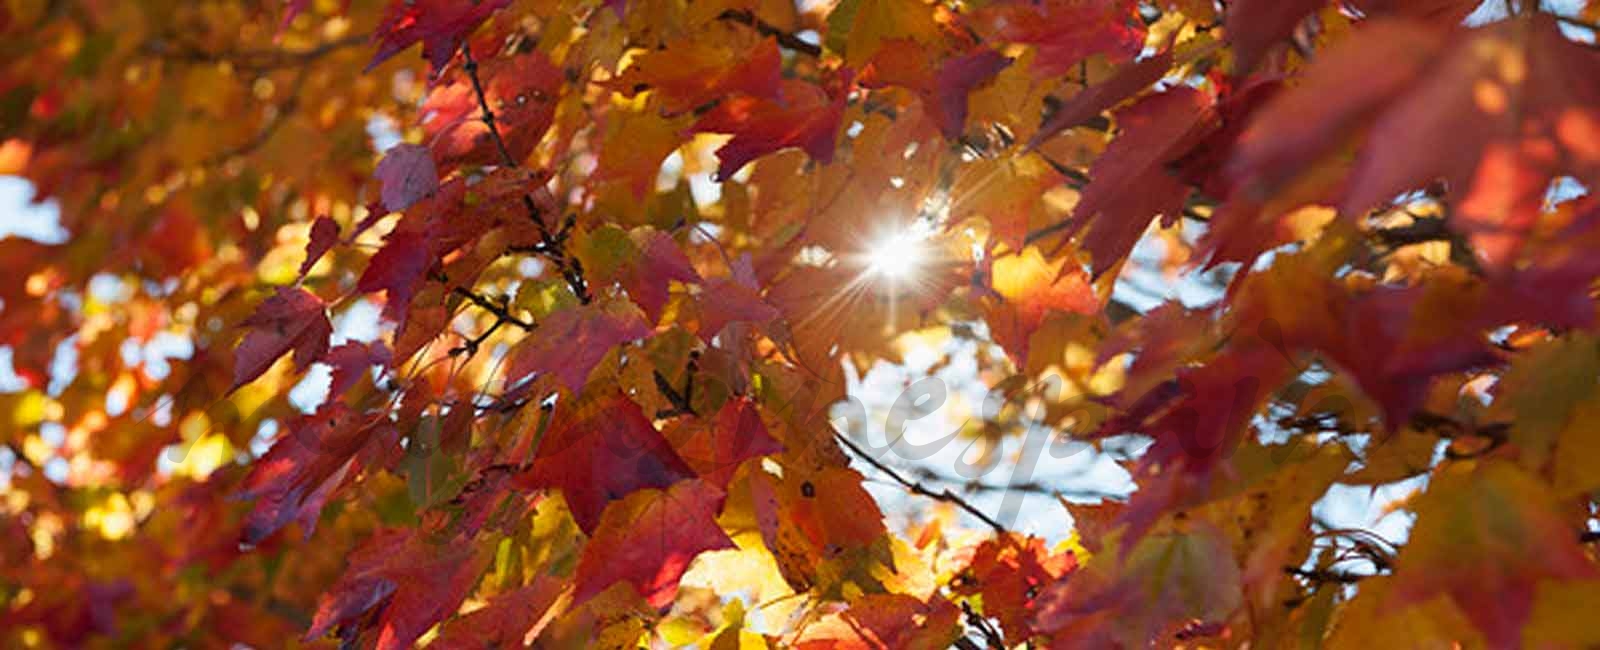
(441, 26)
(1519, 77)
(507, 618)
(1008, 192)
(1093, 100)
(694, 72)
(1027, 290)
(649, 271)
(408, 174)
(1091, 523)
(943, 88)
(805, 115)
(305, 466)
(350, 361)
(417, 583)
(726, 300)
(1010, 573)
(521, 92)
(829, 507)
(1155, 131)
(291, 320)
(397, 269)
(716, 449)
(645, 262)
(324, 235)
(636, 139)
(1130, 596)
(865, 25)
(649, 539)
(1067, 31)
(571, 342)
(600, 450)
(1508, 523)
(884, 621)
(1254, 26)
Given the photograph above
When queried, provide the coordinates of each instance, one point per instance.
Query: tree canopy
(472, 324)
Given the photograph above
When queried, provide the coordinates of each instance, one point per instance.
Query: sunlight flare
(898, 256)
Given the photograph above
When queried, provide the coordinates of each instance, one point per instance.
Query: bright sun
(897, 256)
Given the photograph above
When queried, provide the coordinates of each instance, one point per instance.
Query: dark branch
(917, 488)
(550, 243)
(1027, 487)
(790, 41)
(680, 401)
(1324, 576)
(471, 68)
(1417, 232)
(990, 635)
(500, 311)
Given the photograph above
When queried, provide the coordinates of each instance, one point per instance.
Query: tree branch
(570, 268)
(917, 488)
(501, 312)
(786, 39)
(990, 635)
(252, 60)
(470, 65)
(283, 110)
(1419, 231)
(1322, 576)
(1028, 487)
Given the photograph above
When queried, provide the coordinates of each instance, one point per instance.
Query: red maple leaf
(293, 480)
(600, 450)
(736, 434)
(521, 91)
(416, 581)
(805, 115)
(570, 342)
(324, 235)
(407, 173)
(291, 320)
(440, 25)
(649, 539)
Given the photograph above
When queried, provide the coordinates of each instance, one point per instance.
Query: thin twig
(990, 635)
(1026, 487)
(500, 311)
(1328, 575)
(1417, 232)
(470, 65)
(281, 114)
(470, 347)
(786, 39)
(570, 268)
(682, 402)
(250, 60)
(917, 488)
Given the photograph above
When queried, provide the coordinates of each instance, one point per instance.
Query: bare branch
(786, 39)
(917, 488)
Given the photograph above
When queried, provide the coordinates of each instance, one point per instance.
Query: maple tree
(617, 262)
